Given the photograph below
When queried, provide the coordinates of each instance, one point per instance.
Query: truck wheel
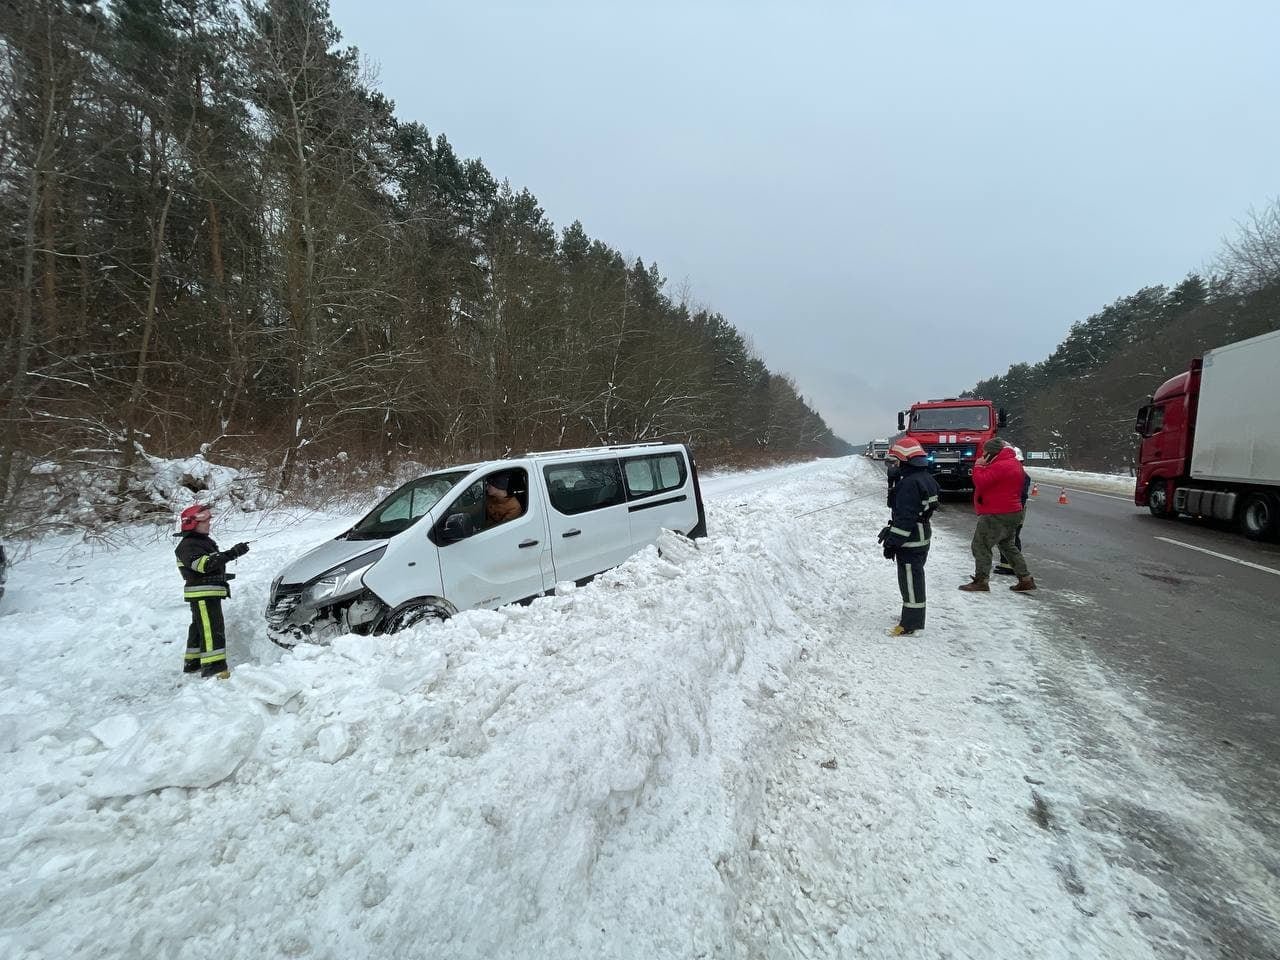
(1158, 499)
(410, 614)
(1259, 517)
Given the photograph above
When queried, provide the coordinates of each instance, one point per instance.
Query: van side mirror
(1002, 418)
(457, 526)
(902, 421)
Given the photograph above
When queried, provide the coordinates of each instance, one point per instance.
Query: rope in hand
(861, 496)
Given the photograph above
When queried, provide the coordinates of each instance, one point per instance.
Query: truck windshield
(405, 507)
(951, 418)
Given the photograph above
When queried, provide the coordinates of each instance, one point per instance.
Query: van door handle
(528, 543)
(570, 533)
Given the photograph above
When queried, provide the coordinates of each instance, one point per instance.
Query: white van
(435, 546)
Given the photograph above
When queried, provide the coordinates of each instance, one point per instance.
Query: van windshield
(951, 418)
(405, 507)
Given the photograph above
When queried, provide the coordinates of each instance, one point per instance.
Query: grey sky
(891, 199)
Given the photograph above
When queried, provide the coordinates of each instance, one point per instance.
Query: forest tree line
(1083, 399)
(218, 231)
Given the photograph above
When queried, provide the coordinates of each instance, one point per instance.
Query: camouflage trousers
(998, 530)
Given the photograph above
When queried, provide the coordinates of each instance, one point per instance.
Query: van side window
(584, 485)
(656, 473)
(487, 503)
(640, 478)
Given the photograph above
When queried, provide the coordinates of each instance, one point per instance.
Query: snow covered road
(712, 752)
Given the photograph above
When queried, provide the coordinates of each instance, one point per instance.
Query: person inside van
(500, 501)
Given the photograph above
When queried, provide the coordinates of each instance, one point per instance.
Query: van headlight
(340, 582)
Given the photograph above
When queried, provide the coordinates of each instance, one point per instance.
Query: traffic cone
(1062, 497)
(1035, 489)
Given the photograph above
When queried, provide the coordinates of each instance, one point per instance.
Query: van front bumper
(288, 622)
(291, 620)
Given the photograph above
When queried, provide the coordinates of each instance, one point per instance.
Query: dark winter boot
(1004, 569)
(976, 585)
(1023, 585)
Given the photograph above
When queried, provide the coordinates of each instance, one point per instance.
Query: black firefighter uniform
(913, 499)
(205, 585)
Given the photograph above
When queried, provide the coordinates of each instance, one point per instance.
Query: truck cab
(1165, 425)
(952, 432)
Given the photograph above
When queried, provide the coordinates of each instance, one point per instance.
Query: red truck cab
(952, 432)
(1167, 426)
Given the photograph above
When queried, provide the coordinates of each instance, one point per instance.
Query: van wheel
(411, 614)
(1259, 518)
(1158, 499)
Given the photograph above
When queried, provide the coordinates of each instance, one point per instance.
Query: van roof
(616, 448)
(606, 448)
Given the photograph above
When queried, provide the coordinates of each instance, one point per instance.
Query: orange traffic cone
(1035, 489)
(1062, 497)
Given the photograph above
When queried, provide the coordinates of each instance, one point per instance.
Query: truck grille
(959, 453)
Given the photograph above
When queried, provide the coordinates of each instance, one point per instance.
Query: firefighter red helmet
(906, 449)
(193, 516)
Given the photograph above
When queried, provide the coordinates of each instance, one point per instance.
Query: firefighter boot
(900, 631)
(976, 585)
(1023, 585)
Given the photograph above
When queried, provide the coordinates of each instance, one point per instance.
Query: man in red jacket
(997, 497)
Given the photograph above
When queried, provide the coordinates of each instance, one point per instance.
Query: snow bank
(713, 750)
(1120, 485)
(536, 780)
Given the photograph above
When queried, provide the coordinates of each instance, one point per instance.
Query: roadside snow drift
(713, 750)
(533, 780)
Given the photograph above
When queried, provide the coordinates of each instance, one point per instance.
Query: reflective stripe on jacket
(203, 568)
(915, 497)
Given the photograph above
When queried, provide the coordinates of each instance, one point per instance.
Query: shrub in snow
(89, 493)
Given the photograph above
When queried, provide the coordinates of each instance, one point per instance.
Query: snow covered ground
(1051, 481)
(712, 752)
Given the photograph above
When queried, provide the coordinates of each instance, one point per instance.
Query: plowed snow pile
(713, 750)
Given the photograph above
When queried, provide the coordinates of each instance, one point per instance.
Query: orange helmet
(906, 449)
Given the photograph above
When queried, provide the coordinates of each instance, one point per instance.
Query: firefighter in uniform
(205, 585)
(913, 496)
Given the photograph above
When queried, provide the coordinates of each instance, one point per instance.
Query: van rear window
(655, 473)
(584, 485)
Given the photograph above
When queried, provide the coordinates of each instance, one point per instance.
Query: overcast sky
(892, 200)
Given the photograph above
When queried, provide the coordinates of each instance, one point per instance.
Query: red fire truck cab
(952, 432)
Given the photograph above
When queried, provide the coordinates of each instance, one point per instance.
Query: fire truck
(952, 432)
